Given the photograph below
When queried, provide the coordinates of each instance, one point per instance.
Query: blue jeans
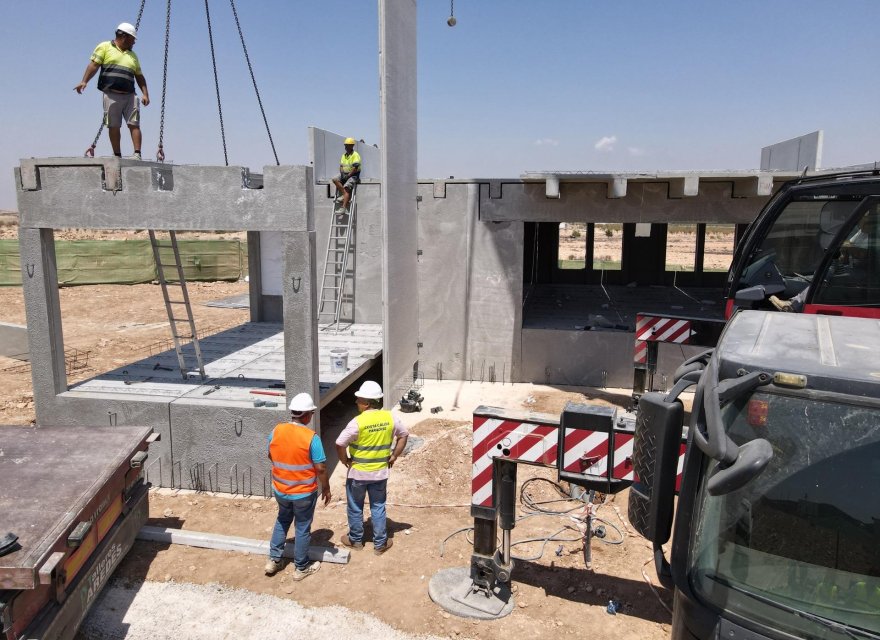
(356, 491)
(301, 512)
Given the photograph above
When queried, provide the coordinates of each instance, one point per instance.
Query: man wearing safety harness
(120, 69)
(365, 447)
(297, 457)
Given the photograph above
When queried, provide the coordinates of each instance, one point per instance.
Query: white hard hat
(301, 403)
(127, 27)
(369, 391)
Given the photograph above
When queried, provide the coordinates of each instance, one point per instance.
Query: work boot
(302, 574)
(273, 566)
(380, 550)
(351, 544)
(780, 304)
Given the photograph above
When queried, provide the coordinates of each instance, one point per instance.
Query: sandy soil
(555, 594)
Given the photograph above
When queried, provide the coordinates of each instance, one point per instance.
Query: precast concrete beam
(56, 194)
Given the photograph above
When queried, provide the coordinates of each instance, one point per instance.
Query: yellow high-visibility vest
(349, 162)
(372, 449)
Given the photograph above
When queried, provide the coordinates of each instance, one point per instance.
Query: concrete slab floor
(237, 361)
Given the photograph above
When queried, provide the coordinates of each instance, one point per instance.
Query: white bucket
(338, 360)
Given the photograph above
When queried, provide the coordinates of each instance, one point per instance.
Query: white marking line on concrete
(235, 543)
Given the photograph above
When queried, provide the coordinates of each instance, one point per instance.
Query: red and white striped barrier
(658, 329)
(585, 451)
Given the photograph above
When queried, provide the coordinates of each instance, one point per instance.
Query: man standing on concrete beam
(120, 69)
(365, 447)
(298, 459)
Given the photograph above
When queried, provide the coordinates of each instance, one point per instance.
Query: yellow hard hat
(350, 141)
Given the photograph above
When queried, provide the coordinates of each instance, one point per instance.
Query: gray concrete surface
(398, 146)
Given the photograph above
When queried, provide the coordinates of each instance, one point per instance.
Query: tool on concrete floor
(211, 390)
(264, 392)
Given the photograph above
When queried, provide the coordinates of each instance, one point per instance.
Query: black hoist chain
(90, 152)
(216, 83)
(160, 152)
(253, 79)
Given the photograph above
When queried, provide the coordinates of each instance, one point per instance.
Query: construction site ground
(429, 494)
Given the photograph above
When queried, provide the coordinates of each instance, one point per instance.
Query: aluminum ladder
(336, 262)
(171, 305)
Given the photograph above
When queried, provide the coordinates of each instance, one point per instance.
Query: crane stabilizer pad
(451, 589)
(8, 543)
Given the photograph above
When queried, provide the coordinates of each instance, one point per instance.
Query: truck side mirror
(655, 464)
(752, 458)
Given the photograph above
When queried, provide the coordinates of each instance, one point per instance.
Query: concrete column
(255, 276)
(300, 307)
(39, 277)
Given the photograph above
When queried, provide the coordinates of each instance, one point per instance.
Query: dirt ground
(428, 497)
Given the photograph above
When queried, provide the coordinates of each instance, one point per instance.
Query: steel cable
(253, 79)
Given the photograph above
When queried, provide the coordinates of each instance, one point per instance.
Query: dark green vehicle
(777, 525)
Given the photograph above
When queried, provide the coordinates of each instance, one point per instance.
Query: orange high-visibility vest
(293, 471)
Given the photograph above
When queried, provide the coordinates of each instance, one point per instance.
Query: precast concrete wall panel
(165, 196)
(226, 447)
(326, 148)
(97, 409)
(398, 123)
(444, 238)
(797, 154)
(494, 300)
(593, 358)
(644, 202)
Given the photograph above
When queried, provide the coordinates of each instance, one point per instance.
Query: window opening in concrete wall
(572, 245)
(681, 247)
(607, 246)
(718, 247)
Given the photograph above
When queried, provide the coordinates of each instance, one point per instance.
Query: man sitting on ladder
(349, 175)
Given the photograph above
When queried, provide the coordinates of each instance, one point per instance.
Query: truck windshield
(806, 532)
(797, 240)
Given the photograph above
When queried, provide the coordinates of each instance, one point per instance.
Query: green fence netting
(82, 262)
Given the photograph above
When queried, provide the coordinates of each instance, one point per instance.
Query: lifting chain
(253, 80)
(90, 152)
(216, 83)
(160, 152)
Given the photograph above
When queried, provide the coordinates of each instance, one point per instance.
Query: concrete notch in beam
(685, 187)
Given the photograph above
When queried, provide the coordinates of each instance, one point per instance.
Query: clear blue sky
(515, 86)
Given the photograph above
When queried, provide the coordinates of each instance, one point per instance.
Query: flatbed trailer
(75, 498)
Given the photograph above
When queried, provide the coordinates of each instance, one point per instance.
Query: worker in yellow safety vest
(298, 459)
(120, 70)
(369, 445)
(349, 175)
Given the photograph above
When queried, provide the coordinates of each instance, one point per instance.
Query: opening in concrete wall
(681, 247)
(608, 246)
(718, 247)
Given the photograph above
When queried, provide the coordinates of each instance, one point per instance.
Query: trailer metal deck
(75, 498)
